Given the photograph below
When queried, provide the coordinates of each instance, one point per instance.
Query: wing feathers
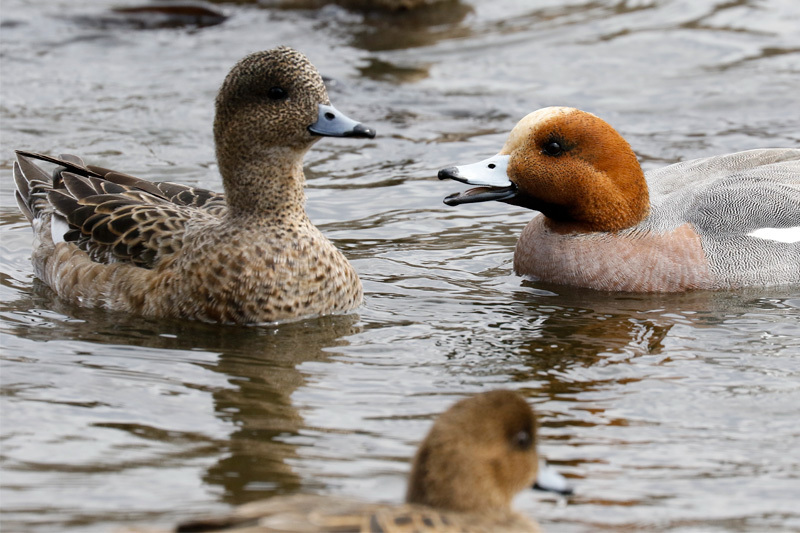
(114, 217)
(74, 159)
(78, 186)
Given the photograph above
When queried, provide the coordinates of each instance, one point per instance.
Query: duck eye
(522, 440)
(553, 148)
(277, 93)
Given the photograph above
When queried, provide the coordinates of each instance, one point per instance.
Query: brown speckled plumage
(168, 250)
(477, 456)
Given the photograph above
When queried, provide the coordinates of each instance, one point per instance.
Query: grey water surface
(667, 413)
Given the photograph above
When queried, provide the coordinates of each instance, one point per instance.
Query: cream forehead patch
(532, 121)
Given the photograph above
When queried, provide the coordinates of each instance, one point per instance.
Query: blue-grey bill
(333, 123)
(550, 480)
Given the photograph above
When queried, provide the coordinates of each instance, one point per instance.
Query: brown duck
(477, 456)
(109, 240)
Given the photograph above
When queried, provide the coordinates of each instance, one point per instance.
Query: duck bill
(548, 479)
(333, 123)
(491, 176)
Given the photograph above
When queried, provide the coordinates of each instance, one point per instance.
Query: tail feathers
(73, 159)
(22, 193)
(68, 162)
(23, 206)
(33, 185)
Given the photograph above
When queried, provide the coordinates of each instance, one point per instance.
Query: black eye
(553, 148)
(277, 93)
(522, 440)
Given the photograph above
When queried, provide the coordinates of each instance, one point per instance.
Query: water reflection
(658, 404)
(411, 29)
(265, 373)
(258, 363)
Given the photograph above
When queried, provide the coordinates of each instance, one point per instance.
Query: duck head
(278, 98)
(566, 163)
(477, 456)
(271, 108)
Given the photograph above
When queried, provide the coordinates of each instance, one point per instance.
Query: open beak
(491, 177)
(333, 123)
(550, 480)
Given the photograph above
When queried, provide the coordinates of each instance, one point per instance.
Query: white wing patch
(787, 235)
(58, 228)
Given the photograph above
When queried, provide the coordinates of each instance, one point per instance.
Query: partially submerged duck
(477, 456)
(109, 240)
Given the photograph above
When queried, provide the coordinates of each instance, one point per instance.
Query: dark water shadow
(411, 29)
(154, 16)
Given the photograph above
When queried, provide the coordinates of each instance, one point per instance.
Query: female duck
(477, 456)
(106, 239)
(716, 223)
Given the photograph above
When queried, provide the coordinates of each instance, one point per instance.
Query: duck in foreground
(109, 240)
(477, 456)
(721, 222)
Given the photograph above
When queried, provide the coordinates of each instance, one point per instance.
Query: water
(668, 413)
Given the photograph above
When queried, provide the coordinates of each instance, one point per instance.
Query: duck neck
(614, 205)
(618, 197)
(264, 182)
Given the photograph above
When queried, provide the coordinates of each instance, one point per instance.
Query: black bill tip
(449, 173)
(333, 123)
(362, 132)
(564, 491)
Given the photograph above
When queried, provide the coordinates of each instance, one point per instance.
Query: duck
(476, 457)
(716, 223)
(106, 239)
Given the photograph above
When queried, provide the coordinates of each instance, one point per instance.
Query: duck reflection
(260, 363)
(569, 328)
(373, 25)
(385, 25)
(162, 15)
(266, 374)
(412, 28)
(588, 324)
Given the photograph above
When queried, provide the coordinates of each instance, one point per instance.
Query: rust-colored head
(477, 456)
(567, 163)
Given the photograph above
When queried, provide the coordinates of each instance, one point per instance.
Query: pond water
(667, 413)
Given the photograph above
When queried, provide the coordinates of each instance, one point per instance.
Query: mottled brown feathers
(109, 239)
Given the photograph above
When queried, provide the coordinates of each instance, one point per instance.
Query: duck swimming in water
(721, 222)
(477, 456)
(109, 240)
